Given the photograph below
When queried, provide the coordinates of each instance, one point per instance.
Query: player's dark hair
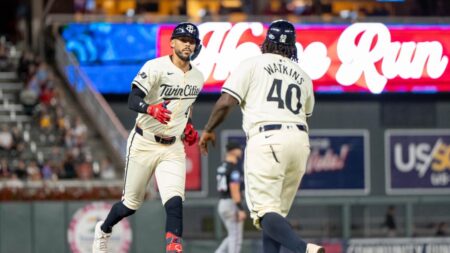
(289, 51)
(232, 145)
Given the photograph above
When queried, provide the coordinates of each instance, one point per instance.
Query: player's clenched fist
(160, 112)
(190, 134)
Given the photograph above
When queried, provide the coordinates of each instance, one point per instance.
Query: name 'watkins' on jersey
(271, 88)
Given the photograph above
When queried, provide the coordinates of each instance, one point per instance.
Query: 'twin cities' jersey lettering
(285, 70)
(178, 92)
(161, 80)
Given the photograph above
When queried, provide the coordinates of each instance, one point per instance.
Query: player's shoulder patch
(235, 175)
(143, 75)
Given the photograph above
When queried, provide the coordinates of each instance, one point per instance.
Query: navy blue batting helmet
(281, 32)
(187, 29)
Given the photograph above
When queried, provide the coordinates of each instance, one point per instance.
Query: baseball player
(275, 96)
(163, 93)
(230, 208)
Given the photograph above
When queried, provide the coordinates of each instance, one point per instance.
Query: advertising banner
(80, 232)
(361, 57)
(193, 168)
(340, 58)
(338, 162)
(403, 245)
(417, 161)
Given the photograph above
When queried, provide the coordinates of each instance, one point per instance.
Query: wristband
(240, 206)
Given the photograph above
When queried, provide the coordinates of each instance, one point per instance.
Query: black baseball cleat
(314, 248)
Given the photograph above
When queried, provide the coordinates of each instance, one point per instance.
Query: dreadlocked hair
(289, 51)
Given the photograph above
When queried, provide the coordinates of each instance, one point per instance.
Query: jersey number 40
(291, 91)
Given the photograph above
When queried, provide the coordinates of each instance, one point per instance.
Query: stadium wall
(376, 114)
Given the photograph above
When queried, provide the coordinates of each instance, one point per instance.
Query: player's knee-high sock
(277, 227)
(270, 245)
(174, 212)
(116, 214)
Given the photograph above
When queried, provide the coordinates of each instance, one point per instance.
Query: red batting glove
(190, 134)
(160, 112)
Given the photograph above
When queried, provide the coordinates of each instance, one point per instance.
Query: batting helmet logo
(281, 31)
(190, 28)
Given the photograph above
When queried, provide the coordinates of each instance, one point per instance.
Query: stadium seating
(45, 140)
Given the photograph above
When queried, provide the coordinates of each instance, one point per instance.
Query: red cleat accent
(173, 243)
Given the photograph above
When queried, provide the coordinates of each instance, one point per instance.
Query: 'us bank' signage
(417, 161)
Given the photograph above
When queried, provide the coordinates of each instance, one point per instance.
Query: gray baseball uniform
(228, 173)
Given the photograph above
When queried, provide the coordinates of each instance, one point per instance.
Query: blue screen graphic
(111, 54)
(114, 79)
(103, 43)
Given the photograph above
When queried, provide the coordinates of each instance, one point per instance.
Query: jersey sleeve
(309, 105)
(145, 78)
(238, 82)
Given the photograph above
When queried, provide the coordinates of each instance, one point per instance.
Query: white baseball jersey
(161, 80)
(289, 97)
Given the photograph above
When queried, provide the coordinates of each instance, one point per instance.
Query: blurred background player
(390, 222)
(275, 96)
(155, 145)
(231, 210)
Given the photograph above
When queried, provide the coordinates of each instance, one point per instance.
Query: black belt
(279, 126)
(163, 140)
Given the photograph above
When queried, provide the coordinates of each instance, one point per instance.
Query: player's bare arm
(235, 193)
(218, 115)
(220, 111)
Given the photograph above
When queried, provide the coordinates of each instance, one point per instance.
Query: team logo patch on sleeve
(143, 75)
(235, 176)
